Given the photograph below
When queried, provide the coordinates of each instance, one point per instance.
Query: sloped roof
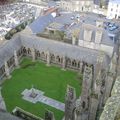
(7, 116)
(40, 23)
(43, 44)
(7, 50)
(59, 48)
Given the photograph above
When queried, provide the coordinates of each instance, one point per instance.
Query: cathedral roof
(7, 116)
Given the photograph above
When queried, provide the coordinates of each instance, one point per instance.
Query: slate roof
(87, 20)
(59, 48)
(40, 23)
(97, 2)
(7, 116)
(7, 50)
(90, 19)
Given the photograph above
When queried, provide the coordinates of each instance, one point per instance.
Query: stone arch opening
(24, 50)
(43, 55)
(52, 57)
(69, 62)
(38, 53)
(29, 51)
(58, 59)
(74, 63)
(83, 104)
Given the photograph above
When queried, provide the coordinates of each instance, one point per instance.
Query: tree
(60, 34)
(75, 33)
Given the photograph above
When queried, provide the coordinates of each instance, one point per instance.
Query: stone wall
(45, 56)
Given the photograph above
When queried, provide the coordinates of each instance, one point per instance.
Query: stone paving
(39, 97)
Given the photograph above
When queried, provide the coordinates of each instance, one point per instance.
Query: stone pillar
(110, 76)
(7, 71)
(81, 66)
(33, 54)
(16, 59)
(64, 63)
(83, 108)
(113, 64)
(96, 99)
(86, 86)
(70, 101)
(48, 58)
(73, 40)
(49, 115)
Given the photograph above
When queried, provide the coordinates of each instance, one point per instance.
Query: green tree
(60, 34)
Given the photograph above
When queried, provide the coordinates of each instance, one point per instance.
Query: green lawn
(52, 80)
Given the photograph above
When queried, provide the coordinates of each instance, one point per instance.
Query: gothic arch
(24, 50)
(29, 51)
(43, 55)
(38, 53)
(74, 63)
(58, 59)
(79, 64)
(52, 57)
(69, 61)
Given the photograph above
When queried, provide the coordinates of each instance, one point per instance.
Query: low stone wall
(24, 114)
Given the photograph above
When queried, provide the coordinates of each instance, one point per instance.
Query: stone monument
(33, 94)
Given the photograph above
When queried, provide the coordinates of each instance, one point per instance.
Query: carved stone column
(16, 59)
(33, 54)
(110, 76)
(73, 40)
(64, 63)
(7, 71)
(83, 109)
(113, 64)
(48, 58)
(70, 101)
(98, 89)
(81, 66)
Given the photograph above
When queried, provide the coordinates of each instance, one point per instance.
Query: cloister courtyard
(51, 80)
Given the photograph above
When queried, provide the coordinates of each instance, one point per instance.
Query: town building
(113, 9)
(77, 5)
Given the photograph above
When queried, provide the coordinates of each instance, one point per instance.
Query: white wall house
(33, 1)
(77, 5)
(113, 9)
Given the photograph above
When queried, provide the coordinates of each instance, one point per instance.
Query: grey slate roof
(97, 2)
(40, 23)
(7, 50)
(88, 19)
(43, 44)
(7, 116)
(59, 48)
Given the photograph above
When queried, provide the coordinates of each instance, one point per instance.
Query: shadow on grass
(28, 65)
